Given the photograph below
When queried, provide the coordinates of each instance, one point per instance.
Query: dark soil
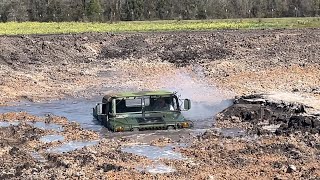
(255, 109)
(287, 46)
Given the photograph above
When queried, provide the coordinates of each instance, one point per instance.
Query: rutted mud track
(212, 66)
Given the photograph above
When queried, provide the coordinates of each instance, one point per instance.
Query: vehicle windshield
(151, 103)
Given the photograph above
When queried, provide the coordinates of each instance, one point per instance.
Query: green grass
(15, 28)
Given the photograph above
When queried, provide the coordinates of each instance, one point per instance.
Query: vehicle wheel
(135, 129)
(170, 128)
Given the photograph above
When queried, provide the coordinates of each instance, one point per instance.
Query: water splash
(207, 100)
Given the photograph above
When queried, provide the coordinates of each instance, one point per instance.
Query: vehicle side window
(120, 106)
(129, 105)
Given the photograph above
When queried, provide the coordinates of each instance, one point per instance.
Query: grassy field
(15, 28)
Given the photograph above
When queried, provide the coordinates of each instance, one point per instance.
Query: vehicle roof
(138, 94)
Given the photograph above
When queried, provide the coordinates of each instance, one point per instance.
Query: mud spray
(207, 100)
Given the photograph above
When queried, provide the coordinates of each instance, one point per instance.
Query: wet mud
(29, 152)
(50, 83)
(38, 67)
(265, 115)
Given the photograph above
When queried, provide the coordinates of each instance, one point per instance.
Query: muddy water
(46, 126)
(80, 111)
(153, 152)
(52, 138)
(71, 146)
(203, 113)
(157, 168)
(7, 124)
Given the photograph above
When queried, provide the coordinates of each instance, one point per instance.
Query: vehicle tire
(170, 128)
(135, 129)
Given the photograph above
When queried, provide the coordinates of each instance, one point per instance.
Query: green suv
(134, 111)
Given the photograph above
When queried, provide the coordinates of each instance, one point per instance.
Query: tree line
(136, 10)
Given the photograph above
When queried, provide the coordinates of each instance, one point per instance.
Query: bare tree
(115, 10)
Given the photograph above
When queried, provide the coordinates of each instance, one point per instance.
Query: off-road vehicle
(134, 111)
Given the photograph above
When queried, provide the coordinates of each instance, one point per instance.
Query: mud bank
(264, 114)
(279, 130)
(27, 152)
(36, 67)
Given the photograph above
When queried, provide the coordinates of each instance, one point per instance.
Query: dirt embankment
(55, 66)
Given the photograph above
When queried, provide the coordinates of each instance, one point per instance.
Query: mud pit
(59, 78)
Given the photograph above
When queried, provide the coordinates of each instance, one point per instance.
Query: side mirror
(187, 104)
(99, 109)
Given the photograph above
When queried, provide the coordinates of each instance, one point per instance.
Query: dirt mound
(301, 123)
(261, 112)
(273, 47)
(19, 135)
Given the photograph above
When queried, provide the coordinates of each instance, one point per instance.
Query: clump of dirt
(15, 161)
(56, 119)
(73, 131)
(259, 112)
(26, 117)
(15, 142)
(20, 116)
(162, 141)
(301, 123)
(19, 135)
